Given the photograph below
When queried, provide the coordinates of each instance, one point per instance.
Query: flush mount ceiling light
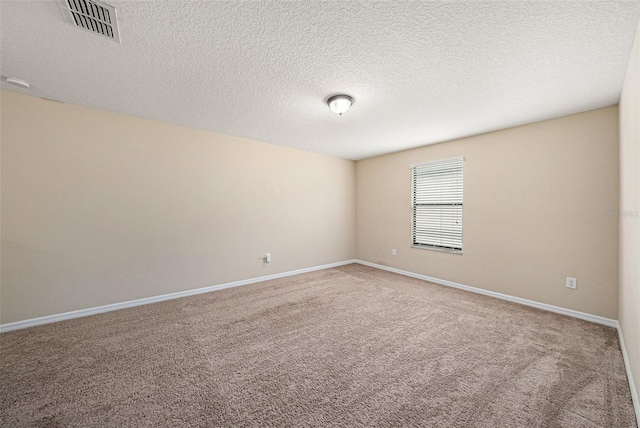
(340, 104)
(18, 82)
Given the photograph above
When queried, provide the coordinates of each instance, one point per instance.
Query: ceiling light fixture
(340, 104)
(18, 82)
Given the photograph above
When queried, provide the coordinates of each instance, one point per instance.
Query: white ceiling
(421, 72)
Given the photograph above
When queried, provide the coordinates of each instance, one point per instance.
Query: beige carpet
(344, 347)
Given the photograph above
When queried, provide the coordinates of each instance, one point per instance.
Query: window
(436, 205)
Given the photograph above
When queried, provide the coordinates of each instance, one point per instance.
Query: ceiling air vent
(93, 16)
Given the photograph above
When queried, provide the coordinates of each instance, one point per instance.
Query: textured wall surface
(421, 72)
(100, 208)
(629, 315)
(538, 205)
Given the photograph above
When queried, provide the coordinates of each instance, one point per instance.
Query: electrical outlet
(267, 258)
(572, 282)
(393, 251)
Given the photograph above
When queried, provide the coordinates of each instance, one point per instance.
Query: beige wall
(99, 207)
(629, 315)
(535, 205)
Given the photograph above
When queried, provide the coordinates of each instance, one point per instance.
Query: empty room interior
(319, 214)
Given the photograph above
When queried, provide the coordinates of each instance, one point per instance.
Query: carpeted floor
(345, 347)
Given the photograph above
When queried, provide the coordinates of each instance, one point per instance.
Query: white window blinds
(436, 205)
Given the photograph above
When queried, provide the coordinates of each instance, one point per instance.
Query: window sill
(438, 249)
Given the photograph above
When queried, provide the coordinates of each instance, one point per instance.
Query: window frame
(413, 205)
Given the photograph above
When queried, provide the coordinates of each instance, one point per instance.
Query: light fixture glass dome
(340, 104)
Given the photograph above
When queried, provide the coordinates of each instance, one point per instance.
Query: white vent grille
(94, 16)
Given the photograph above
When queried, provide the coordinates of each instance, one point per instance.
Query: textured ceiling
(421, 72)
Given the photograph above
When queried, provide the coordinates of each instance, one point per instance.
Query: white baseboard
(632, 385)
(570, 312)
(145, 301)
